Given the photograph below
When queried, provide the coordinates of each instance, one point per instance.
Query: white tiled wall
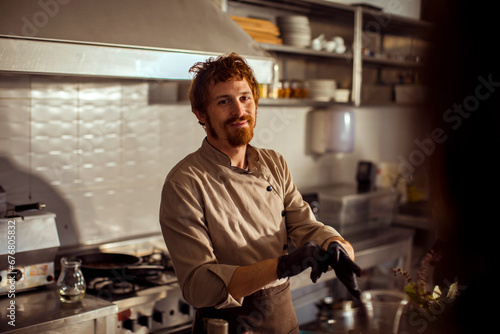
(93, 150)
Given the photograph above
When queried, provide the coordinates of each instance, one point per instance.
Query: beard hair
(242, 136)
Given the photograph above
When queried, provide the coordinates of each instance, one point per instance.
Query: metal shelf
(306, 7)
(387, 23)
(304, 51)
(392, 62)
(296, 102)
(363, 20)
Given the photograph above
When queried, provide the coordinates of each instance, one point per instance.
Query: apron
(267, 311)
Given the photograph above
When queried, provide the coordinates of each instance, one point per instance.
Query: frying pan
(115, 266)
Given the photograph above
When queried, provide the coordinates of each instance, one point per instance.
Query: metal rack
(363, 20)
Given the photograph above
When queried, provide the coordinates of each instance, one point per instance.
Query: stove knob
(185, 308)
(16, 274)
(158, 316)
(144, 320)
(129, 324)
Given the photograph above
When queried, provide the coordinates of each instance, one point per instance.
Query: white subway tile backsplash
(99, 110)
(54, 110)
(11, 130)
(95, 142)
(14, 87)
(133, 111)
(92, 175)
(14, 146)
(54, 128)
(135, 91)
(100, 91)
(50, 88)
(146, 200)
(14, 110)
(56, 168)
(53, 145)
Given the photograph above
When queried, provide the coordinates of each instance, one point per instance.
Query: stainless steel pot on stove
(339, 316)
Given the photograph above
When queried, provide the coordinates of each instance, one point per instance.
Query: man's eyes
(226, 101)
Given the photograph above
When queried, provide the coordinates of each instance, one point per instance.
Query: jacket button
(269, 188)
(283, 213)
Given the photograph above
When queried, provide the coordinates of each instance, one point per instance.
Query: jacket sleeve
(301, 223)
(203, 281)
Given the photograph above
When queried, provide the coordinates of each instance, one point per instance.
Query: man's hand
(345, 269)
(309, 255)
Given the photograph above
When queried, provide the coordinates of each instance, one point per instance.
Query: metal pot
(115, 266)
(339, 317)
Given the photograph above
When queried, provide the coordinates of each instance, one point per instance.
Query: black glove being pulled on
(345, 269)
(308, 255)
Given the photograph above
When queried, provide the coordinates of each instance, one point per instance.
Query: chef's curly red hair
(220, 69)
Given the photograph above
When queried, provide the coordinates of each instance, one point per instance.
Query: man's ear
(200, 116)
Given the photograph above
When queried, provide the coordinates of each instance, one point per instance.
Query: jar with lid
(71, 283)
(217, 326)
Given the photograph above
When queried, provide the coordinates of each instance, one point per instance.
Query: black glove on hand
(309, 255)
(345, 269)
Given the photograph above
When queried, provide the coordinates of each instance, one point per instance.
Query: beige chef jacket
(216, 217)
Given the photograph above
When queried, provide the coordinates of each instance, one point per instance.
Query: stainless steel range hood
(157, 39)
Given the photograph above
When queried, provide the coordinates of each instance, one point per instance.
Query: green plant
(416, 290)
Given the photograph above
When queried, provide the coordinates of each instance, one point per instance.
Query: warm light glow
(347, 118)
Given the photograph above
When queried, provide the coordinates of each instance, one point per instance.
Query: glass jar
(71, 283)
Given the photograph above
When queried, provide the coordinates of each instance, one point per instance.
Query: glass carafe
(71, 283)
(383, 309)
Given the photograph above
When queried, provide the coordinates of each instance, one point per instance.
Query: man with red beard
(228, 209)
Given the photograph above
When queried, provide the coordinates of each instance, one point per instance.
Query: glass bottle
(71, 284)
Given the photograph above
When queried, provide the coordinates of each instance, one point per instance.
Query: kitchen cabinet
(384, 49)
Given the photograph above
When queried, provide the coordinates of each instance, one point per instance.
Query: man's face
(231, 113)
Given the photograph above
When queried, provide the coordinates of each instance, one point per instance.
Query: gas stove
(148, 302)
(121, 284)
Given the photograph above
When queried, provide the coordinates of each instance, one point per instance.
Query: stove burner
(120, 287)
(111, 287)
(161, 279)
(158, 258)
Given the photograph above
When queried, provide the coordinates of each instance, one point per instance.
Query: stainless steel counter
(41, 311)
(377, 246)
(371, 248)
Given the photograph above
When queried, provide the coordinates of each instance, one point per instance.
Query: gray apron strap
(267, 311)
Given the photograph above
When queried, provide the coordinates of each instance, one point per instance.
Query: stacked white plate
(295, 30)
(322, 89)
